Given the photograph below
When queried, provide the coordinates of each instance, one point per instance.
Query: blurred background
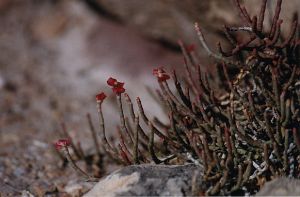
(56, 55)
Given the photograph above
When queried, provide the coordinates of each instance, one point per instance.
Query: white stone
(113, 184)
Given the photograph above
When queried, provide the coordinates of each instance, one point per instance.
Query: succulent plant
(243, 132)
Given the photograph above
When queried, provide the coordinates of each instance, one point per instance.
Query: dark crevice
(168, 44)
(101, 10)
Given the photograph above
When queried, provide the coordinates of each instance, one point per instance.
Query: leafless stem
(66, 152)
(136, 141)
(122, 119)
(64, 129)
(151, 145)
(210, 53)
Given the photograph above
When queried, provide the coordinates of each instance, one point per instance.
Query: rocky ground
(55, 56)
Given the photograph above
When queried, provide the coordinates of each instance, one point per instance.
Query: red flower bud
(161, 74)
(118, 90)
(100, 97)
(62, 143)
(111, 81)
(117, 86)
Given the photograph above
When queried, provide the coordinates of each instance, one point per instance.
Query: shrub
(243, 132)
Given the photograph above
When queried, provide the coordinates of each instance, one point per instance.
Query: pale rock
(114, 184)
(281, 187)
(147, 180)
(76, 189)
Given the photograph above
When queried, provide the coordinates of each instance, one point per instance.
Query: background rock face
(171, 20)
(147, 180)
(281, 187)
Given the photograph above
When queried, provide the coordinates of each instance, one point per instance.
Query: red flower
(161, 74)
(117, 86)
(118, 90)
(100, 97)
(62, 143)
(111, 81)
(190, 48)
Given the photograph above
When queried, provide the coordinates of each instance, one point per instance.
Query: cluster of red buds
(100, 97)
(161, 74)
(62, 143)
(117, 87)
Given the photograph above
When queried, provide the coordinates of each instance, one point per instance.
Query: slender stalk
(122, 119)
(151, 145)
(76, 151)
(136, 141)
(67, 154)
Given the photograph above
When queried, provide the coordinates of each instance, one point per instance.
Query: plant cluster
(243, 132)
